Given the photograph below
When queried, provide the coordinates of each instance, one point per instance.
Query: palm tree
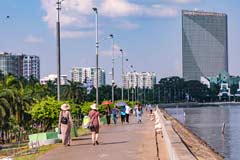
(74, 91)
(4, 114)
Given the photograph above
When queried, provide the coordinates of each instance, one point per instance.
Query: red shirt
(93, 114)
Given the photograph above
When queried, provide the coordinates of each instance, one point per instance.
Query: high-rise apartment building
(53, 78)
(204, 44)
(87, 74)
(20, 65)
(30, 66)
(141, 80)
(9, 64)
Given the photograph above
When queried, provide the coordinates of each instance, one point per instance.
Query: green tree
(45, 112)
(75, 91)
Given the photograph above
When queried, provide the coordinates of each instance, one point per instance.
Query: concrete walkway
(120, 142)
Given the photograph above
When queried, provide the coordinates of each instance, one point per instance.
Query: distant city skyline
(149, 32)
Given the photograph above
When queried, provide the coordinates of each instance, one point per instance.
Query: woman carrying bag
(64, 124)
(95, 123)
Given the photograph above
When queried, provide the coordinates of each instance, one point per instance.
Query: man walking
(128, 110)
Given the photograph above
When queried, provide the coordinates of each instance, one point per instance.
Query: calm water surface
(207, 123)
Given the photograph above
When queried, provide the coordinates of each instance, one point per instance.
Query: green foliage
(46, 111)
(86, 107)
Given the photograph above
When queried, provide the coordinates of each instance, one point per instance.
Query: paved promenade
(121, 142)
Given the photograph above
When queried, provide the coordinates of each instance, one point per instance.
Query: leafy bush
(85, 108)
(46, 111)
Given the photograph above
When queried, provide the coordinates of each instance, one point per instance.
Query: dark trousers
(108, 117)
(115, 118)
(127, 118)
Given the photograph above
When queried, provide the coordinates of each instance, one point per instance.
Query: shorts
(95, 129)
(123, 118)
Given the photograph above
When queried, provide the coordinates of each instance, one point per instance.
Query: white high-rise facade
(31, 66)
(141, 80)
(88, 74)
(53, 78)
(20, 65)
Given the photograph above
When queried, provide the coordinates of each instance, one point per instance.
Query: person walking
(139, 113)
(108, 114)
(95, 120)
(135, 109)
(115, 112)
(128, 110)
(123, 114)
(64, 124)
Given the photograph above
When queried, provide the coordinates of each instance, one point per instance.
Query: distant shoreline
(196, 104)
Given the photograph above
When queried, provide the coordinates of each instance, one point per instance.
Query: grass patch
(82, 131)
(42, 150)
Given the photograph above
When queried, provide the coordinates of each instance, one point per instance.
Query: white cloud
(120, 8)
(78, 14)
(73, 12)
(183, 1)
(160, 11)
(33, 39)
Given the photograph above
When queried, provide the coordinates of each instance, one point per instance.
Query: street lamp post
(132, 84)
(127, 78)
(122, 72)
(97, 47)
(113, 82)
(58, 49)
(136, 90)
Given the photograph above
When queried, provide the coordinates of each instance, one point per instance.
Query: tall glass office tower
(204, 44)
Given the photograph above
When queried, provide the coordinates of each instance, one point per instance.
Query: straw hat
(65, 107)
(93, 106)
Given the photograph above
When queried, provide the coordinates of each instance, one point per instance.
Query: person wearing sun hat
(95, 120)
(64, 123)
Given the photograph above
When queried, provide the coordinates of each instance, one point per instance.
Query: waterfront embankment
(182, 144)
(196, 104)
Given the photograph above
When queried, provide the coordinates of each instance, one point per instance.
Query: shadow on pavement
(81, 138)
(108, 143)
(84, 144)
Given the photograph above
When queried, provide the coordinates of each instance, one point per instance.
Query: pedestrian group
(65, 120)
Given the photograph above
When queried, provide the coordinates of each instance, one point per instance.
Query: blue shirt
(123, 111)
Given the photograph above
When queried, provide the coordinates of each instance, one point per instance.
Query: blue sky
(149, 32)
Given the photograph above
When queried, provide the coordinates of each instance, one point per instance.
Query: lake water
(207, 123)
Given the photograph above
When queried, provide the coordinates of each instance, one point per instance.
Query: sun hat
(65, 107)
(93, 106)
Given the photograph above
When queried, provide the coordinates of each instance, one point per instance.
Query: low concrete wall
(176, 149)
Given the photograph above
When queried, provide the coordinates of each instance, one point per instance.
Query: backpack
(64, 120)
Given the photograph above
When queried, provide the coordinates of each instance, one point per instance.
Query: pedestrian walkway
(122, 142)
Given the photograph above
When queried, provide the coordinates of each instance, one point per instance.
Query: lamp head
(95, 9)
